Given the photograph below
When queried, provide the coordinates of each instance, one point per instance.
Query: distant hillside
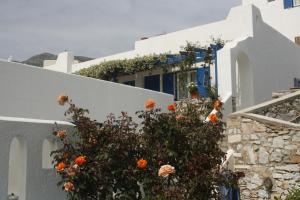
(38, 60)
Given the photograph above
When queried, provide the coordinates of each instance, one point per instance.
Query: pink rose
(166, 170)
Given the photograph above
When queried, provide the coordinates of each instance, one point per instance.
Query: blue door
(203, 80)
(288, 4)
(168, 83)
(152, 82)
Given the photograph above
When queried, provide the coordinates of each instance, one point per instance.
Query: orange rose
(172, 107)
(62, 99)
(142, 164)
(61, 134)
(166, 170)
(149, 104)
(60, 166)
(218, 105)
(80, 160)
(68, 186)
(213, 118)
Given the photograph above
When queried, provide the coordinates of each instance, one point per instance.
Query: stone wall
(269, 154)
(288, 110)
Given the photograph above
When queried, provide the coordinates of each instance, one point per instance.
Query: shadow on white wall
(49, 145)
(244, 82)
(17, 167)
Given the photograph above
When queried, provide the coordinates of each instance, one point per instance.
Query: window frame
(296, 3)
(189, 77)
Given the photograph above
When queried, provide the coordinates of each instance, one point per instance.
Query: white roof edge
(38, 121)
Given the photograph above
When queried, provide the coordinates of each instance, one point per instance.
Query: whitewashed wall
(31, 92)
(286, 21)
(270, 59)
(28, 110)
(21, 162)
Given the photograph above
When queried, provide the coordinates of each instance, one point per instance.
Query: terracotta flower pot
(195, 95)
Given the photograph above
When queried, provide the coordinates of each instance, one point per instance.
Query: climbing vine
(110, 70)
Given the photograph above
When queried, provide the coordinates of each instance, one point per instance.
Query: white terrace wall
(31, 92)
(255, 66)
(22, 143)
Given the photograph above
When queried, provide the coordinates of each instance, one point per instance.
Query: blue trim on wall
(288, 4)
(200, 82)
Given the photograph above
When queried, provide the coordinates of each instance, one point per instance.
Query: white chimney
(64, 63)
(9, 59)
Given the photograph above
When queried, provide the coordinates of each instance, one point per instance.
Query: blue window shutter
(152, 82)
(288, 4)
(168, 83)
(203, 80)
(200, 81)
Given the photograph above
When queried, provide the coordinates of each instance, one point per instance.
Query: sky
(96, 28)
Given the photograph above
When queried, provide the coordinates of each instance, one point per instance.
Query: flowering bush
(173, 155)
(184, 149)
(98, 161)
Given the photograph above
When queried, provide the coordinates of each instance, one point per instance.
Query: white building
(260, 55)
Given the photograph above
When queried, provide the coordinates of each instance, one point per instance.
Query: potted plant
(193, 90)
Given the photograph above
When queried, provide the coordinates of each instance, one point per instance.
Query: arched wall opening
(49, 145)
(243, 82)
(17, 168)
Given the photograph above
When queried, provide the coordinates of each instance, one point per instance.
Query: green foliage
(111, 150)
(293, 194)
(190, 56)
(187, 143)
(212, 93)
(179, 138)
(110, 70)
